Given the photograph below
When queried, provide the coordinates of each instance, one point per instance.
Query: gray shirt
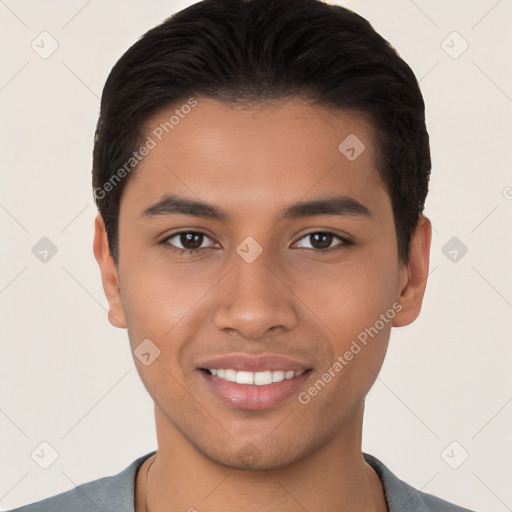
(116, 494)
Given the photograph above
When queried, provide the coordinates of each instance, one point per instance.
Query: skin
(294, 300)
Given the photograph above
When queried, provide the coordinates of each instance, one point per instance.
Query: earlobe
(109, 276)
(414, 274)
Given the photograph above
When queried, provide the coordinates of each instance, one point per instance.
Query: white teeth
(277, 375)
(244, 377)
(263, 378)
(257, 378)
(230, 375)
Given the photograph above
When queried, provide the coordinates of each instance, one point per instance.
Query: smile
(262, 378)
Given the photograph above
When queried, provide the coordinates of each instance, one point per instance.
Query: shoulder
(114, 492)
(402, 496)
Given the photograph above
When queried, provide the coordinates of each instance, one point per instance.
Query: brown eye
(190, 241)
(322, 240)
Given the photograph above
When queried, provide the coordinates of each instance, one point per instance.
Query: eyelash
(344, 241)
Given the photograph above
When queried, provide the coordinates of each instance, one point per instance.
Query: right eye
(191, 241)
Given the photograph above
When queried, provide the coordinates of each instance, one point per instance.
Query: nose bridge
(254, 298)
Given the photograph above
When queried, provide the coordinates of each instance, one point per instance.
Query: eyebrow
(341, 205)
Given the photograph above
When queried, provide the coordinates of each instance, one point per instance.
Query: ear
(414, 274)
(109, 275)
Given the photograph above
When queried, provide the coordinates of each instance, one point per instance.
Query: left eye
(322, 240)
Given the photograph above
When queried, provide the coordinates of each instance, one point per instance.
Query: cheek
(159, 302)
(158, 296)
(357, 310)
(355, 302)
(350, 295)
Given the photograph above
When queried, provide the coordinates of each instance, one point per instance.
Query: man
(260, 170)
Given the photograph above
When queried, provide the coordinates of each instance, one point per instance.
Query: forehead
(274, 152)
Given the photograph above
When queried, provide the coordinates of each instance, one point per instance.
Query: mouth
(254, 391)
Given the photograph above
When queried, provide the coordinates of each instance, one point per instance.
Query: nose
(255, 298)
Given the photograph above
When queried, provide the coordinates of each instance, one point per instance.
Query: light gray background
(67, 376)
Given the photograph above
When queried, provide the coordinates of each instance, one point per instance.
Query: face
(289, 251)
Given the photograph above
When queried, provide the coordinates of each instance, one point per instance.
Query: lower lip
(250, 396)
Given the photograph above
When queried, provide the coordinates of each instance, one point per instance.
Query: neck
(331, 477)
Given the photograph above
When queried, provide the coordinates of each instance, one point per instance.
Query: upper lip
(250, 363)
